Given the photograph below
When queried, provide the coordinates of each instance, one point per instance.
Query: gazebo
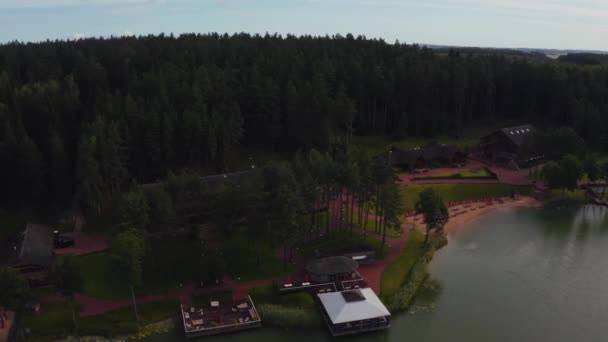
(332, 269)
(352, 312)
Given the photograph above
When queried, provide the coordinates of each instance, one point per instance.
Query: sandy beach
(475, 210)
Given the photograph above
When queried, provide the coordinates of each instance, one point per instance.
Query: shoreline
(458, 222)
(479, 209)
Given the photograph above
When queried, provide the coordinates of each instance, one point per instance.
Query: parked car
(62, 241)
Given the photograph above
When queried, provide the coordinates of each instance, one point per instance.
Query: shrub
(403, 298)
(289, 317)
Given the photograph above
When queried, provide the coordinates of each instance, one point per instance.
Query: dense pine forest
(86, 117)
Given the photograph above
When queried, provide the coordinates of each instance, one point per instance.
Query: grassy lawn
(10, 223)
(396, 272)
(480, 172)
(99, 282)
(456, 192)
(241, 254)
(55, 320)
(390, 232)
(165, 267)
(97, 277)
(122, 321)
(377, 145)
(268, 295)
(341, 240)
(221, 296)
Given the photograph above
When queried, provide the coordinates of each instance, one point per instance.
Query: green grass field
(241, 253)
(97, 277)
(376, 145)
(480, 172)
(99, 281)
(10, 223)
(337, 240)
(390, 232)
(56, 320)
(396, 272)
(457, 192)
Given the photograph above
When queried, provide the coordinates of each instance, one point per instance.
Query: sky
(561, 24)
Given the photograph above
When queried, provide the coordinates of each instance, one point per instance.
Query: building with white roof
(351, 312)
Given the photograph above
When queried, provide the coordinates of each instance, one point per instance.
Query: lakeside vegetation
(395, 274)
(58, 320)
(295, 310)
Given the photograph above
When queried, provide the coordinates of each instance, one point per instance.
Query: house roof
(37, 245)
(332, 265)
(519, 134)
(340, 310)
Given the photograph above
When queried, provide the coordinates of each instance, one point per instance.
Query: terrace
(218, 318)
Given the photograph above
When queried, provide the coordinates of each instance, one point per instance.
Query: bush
(269, 295)
(395, 274)
(415, 274)
(289, 317)
(403, 298)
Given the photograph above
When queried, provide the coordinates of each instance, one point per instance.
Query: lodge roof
(332, 265)
(519, 134)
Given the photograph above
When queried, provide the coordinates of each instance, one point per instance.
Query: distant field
(457, 192)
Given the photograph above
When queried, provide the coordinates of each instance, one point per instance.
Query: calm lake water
(514, 275)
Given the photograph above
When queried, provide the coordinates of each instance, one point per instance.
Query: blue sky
(581, 24)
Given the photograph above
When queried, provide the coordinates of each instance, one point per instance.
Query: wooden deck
(220, 318)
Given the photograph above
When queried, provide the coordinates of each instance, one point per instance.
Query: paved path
(84, 244)
(372, 273)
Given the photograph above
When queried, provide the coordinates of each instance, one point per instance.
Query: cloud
(571, 8)
(67, 3)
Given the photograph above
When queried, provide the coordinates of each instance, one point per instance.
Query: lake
(513, 275)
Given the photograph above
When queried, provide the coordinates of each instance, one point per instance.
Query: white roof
(340, 311)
